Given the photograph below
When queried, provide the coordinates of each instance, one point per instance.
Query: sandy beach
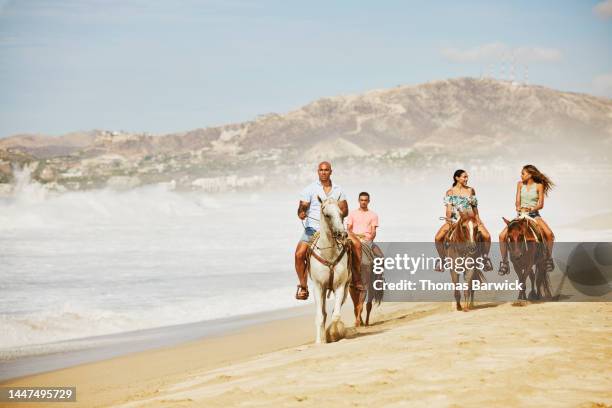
(415, 354)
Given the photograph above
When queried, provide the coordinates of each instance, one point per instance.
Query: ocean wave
(34, 333)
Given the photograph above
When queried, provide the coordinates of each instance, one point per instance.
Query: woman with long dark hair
(462, 198)
(530, 193)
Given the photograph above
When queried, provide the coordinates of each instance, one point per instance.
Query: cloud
(493, 52)
(602, 84)
(603, 9)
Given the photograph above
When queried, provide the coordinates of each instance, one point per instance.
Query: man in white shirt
(309, 209)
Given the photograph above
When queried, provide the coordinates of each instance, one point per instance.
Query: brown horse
(527, 249)
(462, 241)
(368, 277)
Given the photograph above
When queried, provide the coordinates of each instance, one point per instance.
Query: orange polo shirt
(362, 222)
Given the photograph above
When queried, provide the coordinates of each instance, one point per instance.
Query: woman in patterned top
(462, 198)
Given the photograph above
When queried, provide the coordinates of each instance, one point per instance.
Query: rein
(304, 225)
(343, 245)
(332, 264)
(524, 242)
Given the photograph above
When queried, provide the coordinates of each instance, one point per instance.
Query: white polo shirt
(309, 195)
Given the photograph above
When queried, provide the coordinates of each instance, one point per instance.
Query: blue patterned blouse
(460, 203)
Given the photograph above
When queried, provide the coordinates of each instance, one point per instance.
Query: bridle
(342, 245)
(523, 244)
(345, 248)
(459, 227)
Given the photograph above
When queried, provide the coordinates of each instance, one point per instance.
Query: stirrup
(504, 268)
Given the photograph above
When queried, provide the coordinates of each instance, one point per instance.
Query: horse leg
(366, 276)
(335, 331)
(542, 281)
(357, 305)
(339, 300)
(521, 284)
(520, 273)
(454, 278)
(470, 290)
(368, 311)
(532, 292)
(319, 295)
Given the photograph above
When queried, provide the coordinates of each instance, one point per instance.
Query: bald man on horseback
(309, 211)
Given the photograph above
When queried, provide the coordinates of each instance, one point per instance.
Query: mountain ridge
(453, 120)
(375, 120)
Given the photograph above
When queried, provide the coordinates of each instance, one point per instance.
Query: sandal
(302, 292)
(488, 265)
(504, 268)
(550, 265)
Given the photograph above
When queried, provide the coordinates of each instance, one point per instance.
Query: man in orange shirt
(363, 222)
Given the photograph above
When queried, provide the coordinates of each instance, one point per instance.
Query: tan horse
(527, 249)
(462, 241)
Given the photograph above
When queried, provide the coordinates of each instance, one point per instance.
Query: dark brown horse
(527, 250)
(368, 277)
(462, 241)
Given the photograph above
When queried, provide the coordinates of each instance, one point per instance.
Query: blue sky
(165, 66)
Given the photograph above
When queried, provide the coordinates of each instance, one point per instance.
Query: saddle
(367, 253)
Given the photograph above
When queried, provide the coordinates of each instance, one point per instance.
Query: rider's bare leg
(503, 246)
(504, 268)
(439, 240)
(485, 246)
(356, 260)
(486, 239)
(300, 263)
(549, 239)
(549, 236)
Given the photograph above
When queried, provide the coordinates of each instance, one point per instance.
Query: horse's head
(517, 232)
(467, 228)
(331, 215)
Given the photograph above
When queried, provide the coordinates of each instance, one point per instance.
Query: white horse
(329, 268)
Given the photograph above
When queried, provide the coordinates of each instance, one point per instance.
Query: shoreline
(74, 352)
(136, 373)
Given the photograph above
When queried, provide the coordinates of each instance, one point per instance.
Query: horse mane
(515, 222)
(533, 230)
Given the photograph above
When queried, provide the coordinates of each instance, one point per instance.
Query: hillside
(461, 119)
